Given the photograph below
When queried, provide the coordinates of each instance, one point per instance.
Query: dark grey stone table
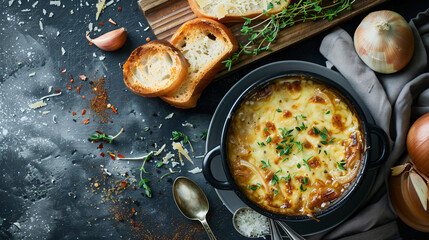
(49, 171)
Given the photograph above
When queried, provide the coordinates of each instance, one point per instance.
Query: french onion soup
(294, 146)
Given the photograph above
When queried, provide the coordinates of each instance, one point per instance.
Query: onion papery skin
(406, 203)
(418, 144)
(384, 41)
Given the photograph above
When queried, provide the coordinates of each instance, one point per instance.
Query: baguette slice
(235, 10)
(154, 69)
(205, 44)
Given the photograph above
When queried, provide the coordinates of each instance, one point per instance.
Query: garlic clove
(399, 169)
(384, 41)
(421, 188)
(110, 41)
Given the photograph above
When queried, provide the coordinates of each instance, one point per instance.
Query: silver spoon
(192, 202)
(274, 231)
(289, 231)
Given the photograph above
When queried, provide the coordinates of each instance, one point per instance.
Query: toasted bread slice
(154, 69)
(235, 10)
(205, 44)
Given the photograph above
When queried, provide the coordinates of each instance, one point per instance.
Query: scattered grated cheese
(195, 170)
(58, 33)
(26, 10)
(51, 14)
(54, 118)
(160, 150)
(109, 3)
(178, 146)
(102, 58)
(169, 116)
(51, 95)
(44, 11)
(90, 25)
(11, 2)
(63, 51)
(186, 124)
(32, 74)
(55, 3)
(201, 156)
(41, 25)
(251, 224)
(35, 4)
(100, 6)
(38, 104)
(173, 164)
(71, 11)
(147, 28)
(45, 112)
(50, 89)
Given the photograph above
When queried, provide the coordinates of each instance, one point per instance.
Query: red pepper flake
(78, 88)
(111, 121)
(74, 113)
(71, 80)
(83, 112)
(90, 44)
(70, 76)
(124, 184)
(113, 109)
(112, 22)
(102, 154)
(58, 90)
(133, 210)
(102, 24)
(64, 70)
(99, 132)
(119, 9)
(112, 156)
(83, 77)
(85, 121)
(147, 39)
(120, 155)
(83, 97)
(69, 87)
(100, 146)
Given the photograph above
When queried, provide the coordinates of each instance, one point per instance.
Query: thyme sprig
(265, 32)
(102, 137)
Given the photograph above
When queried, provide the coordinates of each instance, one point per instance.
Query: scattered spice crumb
(85, 121)
(112, 22)
(147, 39)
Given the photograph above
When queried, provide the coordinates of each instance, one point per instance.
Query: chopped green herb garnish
(302, 116)
(332, 140)
(268, 140)
(319, 151)
(326, 153)
(287, 178)
(265, 129)
(306, 160)
(279, 147)
(278, 110)
(159, 164)
(305, 180)
(325, 131)
(316, 130)
(261, 144)
(285, 159)
(203, 135)
(147, 129)
(265, 164)
(143, 184)
(341, 165)
(102, 137)
(254, 187)
(298, 129)
(323, 136)
(302, 188)
(275, 179)
(278, 171)
(275, 192)
(324, 142)
(328, 112)
(303, 127)
(298, 165)
(178, 135)
(305, 164)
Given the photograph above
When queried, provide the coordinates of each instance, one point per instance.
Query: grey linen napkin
(394, 101)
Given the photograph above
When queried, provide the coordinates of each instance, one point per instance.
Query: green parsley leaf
(270, 6)
(298, 165)
(159, 164)
(268, 140)
(275, 192)
(324, 142)
(265, 129)
(278, 110)
(275, 179)
(305, 180)
(302, 188)
(328, 112)
(178, 135)
(341, 165)
(316, 130)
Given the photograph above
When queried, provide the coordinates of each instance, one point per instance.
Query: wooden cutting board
(166, 16)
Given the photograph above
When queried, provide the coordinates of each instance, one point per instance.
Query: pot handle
(207, 170)
(385, 148)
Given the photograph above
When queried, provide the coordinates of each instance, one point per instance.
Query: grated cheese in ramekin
(251, 224)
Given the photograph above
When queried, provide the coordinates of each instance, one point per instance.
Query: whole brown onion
(418, 144)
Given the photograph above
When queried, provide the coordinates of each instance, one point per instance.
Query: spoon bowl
(192, 202)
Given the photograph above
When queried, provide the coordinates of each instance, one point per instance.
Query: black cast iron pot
(368, 130)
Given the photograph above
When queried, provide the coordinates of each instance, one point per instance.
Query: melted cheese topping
(294, 146)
